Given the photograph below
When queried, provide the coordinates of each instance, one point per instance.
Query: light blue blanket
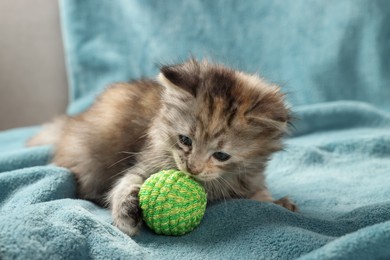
(333, 59)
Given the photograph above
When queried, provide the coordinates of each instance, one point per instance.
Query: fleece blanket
(332, 59)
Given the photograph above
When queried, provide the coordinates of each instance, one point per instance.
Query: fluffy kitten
(218, 125)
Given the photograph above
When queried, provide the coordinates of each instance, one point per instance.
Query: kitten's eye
(221, 156)
(185, 140)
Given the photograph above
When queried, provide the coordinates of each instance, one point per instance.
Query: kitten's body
(217, 124)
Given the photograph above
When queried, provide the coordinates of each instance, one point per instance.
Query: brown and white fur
(217, 124)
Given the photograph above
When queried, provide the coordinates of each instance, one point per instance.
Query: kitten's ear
(270, 112)
(181, 77)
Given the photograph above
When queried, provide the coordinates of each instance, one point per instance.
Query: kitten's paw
(285, 202)
(127, 213)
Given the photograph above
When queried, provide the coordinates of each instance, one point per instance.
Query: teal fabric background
(317, 50)
(333, 60)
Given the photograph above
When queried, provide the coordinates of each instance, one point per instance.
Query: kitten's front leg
(264, 196)
(124, 202)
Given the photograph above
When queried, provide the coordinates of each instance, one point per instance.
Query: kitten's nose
(194, 169)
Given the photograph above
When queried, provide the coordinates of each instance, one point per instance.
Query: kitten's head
(217, 122)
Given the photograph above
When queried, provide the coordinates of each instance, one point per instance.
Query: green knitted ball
(172, 202)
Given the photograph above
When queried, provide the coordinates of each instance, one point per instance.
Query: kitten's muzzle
(194, 169)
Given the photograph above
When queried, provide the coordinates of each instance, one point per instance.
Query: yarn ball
(172, 202)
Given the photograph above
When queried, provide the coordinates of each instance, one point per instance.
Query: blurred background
(342, 53)
(33, 84)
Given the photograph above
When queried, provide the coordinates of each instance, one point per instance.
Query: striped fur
(133, 129)
(221, 110)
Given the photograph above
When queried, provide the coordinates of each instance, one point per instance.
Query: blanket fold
(337, 173)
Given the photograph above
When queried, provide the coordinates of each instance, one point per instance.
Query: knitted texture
(172, 202)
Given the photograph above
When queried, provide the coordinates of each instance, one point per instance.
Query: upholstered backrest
(317, 50)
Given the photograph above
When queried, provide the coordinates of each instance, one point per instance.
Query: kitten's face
(218, 123)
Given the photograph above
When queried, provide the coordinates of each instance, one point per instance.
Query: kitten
(217, 124)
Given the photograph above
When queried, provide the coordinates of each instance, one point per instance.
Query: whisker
(121, 160)
(117, 174)
(227, 183)
(127, 152)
